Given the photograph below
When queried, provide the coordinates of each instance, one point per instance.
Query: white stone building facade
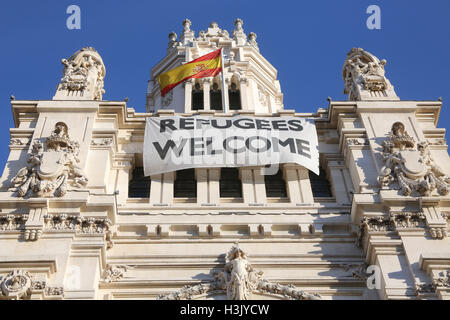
(79, 221)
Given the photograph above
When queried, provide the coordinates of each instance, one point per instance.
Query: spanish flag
(208, 65)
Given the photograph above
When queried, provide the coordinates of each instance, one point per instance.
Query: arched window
(215, 96)
(320, 185)
(230, 183)
(234, 95)
(197, 97)
(139, 185)
(185, 185)
(275, 185)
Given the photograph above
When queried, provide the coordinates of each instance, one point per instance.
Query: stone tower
(79, 220)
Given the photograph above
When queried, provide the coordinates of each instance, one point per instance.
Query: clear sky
(307, 41)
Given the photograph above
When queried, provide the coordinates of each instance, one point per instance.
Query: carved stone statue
(83, 76)
(364, 77)
(239, 274)
(172, 40)
(49, 172)
(252, 40)
(240, 281)
(238, 33)
(411, 167)
(187, 25)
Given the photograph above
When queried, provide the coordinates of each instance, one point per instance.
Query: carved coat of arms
(50, 170)
(410, 165)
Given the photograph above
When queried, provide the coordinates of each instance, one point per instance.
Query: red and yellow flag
(208, 65)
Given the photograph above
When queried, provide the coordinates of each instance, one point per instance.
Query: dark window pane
(185, 185)
(216, 99)
(275, 185)
(139, 186)
(319, 184)
(235, 99)
(230, 184)
(197, 100)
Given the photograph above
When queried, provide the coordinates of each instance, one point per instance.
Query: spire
(364, 77)
(83, 76)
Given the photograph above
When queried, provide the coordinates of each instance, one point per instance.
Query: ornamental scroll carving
(410, 166)
(52, 166)
(364, 76)
(83, 76)
(19, 284)
(398, 221)
(240, 281)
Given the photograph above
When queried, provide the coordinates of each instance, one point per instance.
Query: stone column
(214, 186)
(188, 95)
(227, 99)
(260, 186)
(201, 175)
(340, 184)
(243, 91)
(298, 184)
(156, 189)
(206, 97)
(167, 188)
(248, 189)
(123, 178)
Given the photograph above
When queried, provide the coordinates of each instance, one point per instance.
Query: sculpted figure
(411, 166)
(49, 171)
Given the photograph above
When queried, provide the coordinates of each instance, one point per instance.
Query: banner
(176, 142)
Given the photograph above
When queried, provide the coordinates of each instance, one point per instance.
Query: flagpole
(223, 81)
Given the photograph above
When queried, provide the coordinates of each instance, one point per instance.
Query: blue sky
(307, 41)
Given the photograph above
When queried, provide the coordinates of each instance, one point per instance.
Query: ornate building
(79, 220)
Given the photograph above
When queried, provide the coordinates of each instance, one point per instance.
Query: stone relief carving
(115, 272)
(443, 281)
(240, 281)
(57, 223)
(424, 288)
(83, 76)
(81, 225)
(368, 224)
(16, 284)
(213, 32)
(358, 271)
(262, 95)
(364, 76)
(102, 142)
(19, 284)
(49, 172)
(12, 222)
(19, 142)
(411, 167)
(397, 221)
(357, 142)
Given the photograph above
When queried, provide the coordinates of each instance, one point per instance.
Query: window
(235, 97)
(230, 183)
(185, 185)
(215, 96)
(320, 185)
(197, 97)
(139, 186)
(275, 185)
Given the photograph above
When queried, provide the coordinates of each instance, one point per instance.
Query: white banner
(176, 142)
